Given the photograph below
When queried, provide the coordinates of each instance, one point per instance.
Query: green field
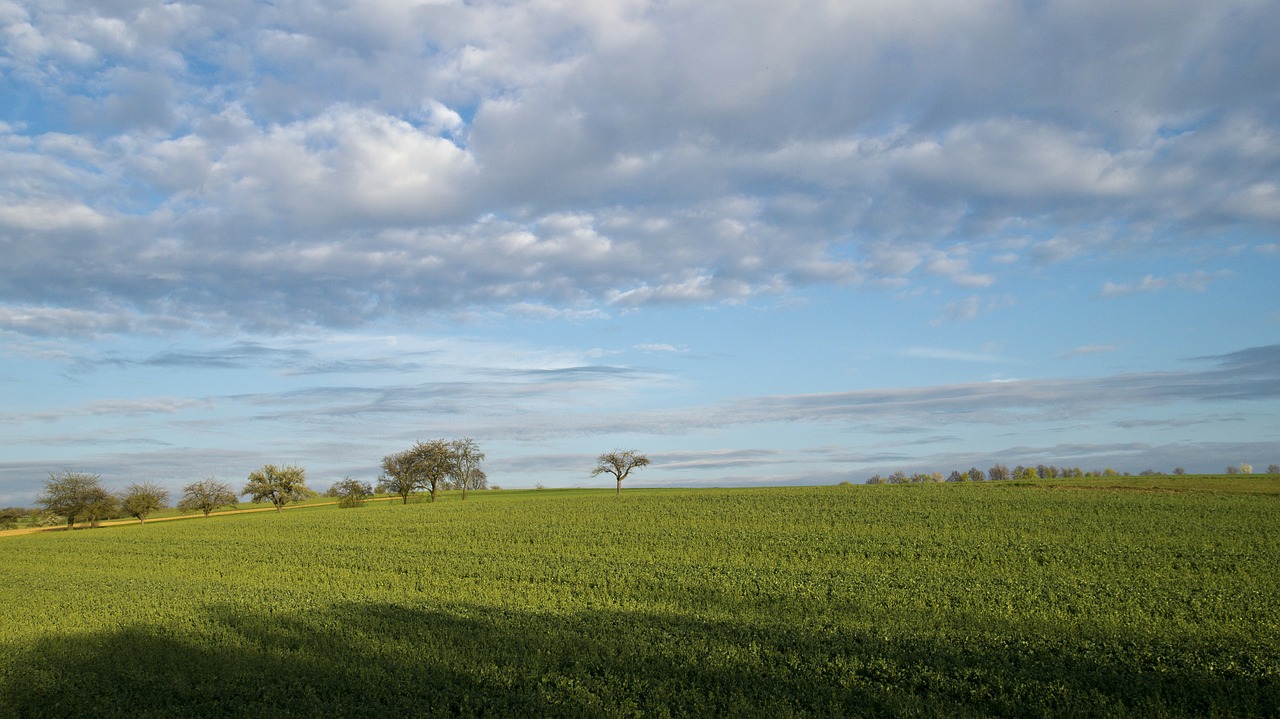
(1151, 597)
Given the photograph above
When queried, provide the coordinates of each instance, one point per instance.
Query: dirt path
(122, 522)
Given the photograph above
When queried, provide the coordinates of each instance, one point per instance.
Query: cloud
(953, 355)
(1197, 281)
(1083, 350)
(273, 169)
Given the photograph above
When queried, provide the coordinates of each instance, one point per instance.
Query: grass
(1133, 599)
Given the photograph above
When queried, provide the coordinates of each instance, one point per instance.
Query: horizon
(762, 244)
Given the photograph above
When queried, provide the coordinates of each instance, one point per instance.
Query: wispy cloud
(1084, 350)
(1197, 281)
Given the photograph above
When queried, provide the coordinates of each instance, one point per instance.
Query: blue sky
(764, 243)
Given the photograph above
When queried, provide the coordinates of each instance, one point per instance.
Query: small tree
(465, 465)
(998, 472)
(1273, 469)
(277, 485)
(72, 495)
(350, 492)
(976, 475)
(206, 495)
(619, 464)
(1246, 468)
(142, 498)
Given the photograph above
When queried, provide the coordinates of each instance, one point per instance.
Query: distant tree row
(433, 465)
(72, 497)
(1000, 472)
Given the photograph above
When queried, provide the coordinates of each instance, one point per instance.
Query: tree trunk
(619, 486)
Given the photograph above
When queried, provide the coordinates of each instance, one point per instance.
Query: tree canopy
(425, 465)
(74, 495)
(277, 485)
(142, 498)
(206, 495)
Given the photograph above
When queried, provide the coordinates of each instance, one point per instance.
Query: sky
(763, 243)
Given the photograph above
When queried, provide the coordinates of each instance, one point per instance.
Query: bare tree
(619, 464)
(425, 465)
(206, 495)
(465, 466)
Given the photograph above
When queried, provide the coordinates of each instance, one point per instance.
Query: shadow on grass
(375, 660)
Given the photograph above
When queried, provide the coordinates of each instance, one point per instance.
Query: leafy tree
(1246, 468)
(957, 476)
(619, 464)
(72, 495)
(425, 465)
(898, 477)
(9, 516)
(1273, 469)
(206, 495)
(1179, 471)
(998, 472)
(142, 498)
(350, 492)
(277, 485)
(465, 467)
(976, 475)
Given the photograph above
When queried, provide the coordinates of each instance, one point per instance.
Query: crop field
(1054, 598)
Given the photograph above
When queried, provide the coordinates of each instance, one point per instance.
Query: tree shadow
(384, 660)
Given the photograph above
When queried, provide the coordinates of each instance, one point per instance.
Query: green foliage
(75, 495)
(350, 492)
(1151, 598)
(277, 485)
(142, 499)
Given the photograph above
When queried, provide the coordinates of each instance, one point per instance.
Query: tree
(998, 472)
(976, 475)
(619, 464)
(465, 467)
(277, 485)
(72, 495)
(142, 498)
(1246, 468)
(1273, 469)
(206, 495)
(425, 465)
(957, 476)
(350, 492)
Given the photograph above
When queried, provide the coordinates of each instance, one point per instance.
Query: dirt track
(120, 522)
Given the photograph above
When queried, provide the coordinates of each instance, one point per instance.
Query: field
(1053, 598)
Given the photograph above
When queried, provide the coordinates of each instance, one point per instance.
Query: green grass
(1056, 598)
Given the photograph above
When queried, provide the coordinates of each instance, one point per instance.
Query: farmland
(1133, 597)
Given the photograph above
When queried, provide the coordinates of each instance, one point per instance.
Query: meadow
(1124, 597)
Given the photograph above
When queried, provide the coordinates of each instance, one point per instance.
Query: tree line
(72, 497)
(1001, 472)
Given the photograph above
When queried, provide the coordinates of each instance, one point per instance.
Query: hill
(1131, 599)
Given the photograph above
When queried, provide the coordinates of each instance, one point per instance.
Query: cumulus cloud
(383, 158)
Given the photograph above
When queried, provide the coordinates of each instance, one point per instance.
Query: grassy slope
(926, 600)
